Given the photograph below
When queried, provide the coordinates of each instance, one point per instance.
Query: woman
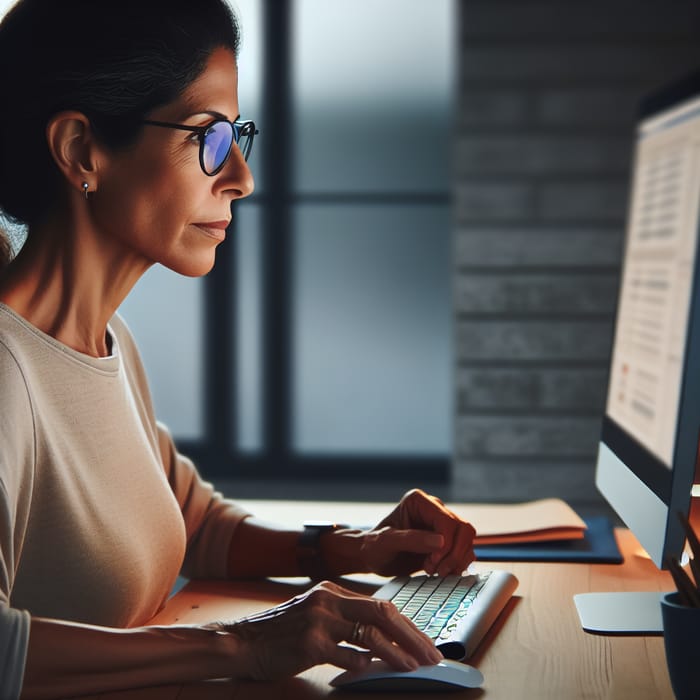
(121, 147)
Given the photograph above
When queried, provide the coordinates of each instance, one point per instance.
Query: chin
(194, 266)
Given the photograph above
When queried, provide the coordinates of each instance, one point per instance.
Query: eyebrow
(216, 115)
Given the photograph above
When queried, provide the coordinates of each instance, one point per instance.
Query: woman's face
(155, 200)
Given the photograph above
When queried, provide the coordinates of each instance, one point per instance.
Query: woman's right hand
(67, 659)
(308, 629)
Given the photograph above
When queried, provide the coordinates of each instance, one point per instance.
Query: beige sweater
(98, 512)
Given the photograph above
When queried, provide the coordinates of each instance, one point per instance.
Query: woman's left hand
(420, 533)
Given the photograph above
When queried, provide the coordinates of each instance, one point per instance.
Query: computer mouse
(443, 676)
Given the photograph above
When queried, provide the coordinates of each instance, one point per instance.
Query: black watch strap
(309, 556)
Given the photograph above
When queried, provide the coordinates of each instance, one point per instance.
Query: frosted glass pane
(250, 73)
(372, 330)
(164, 312)
(373, 94)
(248, 382)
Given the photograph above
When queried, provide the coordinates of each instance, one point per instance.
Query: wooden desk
(536, 649)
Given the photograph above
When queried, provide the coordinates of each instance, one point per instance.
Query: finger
(459, 554)
(351, 659)
(410, 540)
(395, 655)
(382, 645)
(465, 547)
(430, 512)
(448, 529)
(425, 509)
(353, 607)
(409, 510)
(385, 632)
(433, 653)
(374, 640)
(386, 627)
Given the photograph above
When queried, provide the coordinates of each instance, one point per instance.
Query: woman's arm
(259, 548)
(67, 659)
(420, 533)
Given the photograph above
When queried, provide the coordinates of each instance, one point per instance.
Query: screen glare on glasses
(216, 140)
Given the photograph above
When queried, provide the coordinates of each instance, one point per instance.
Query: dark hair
(5, 250)
(113, 61)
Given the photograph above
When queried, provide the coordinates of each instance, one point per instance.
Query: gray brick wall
(544, 134)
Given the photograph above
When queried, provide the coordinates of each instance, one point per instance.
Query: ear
(74, 150)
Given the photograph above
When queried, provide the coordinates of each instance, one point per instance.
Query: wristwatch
(309, 554)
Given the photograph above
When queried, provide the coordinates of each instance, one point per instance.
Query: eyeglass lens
(218, 140)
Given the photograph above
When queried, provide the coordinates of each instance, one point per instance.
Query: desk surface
(536, 649)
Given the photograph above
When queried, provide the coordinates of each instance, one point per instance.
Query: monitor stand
(630, 613)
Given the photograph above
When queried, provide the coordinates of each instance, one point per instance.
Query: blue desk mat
(597, 546)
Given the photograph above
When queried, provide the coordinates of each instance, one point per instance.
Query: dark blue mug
(682, 642)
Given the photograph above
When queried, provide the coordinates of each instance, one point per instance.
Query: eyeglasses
(216, 140)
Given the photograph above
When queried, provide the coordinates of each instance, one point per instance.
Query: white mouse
(445, 675)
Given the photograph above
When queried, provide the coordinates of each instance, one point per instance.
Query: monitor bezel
(672, 484)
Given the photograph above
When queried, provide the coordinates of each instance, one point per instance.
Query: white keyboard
(454, 611)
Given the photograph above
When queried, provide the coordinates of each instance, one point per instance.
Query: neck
(68, 282)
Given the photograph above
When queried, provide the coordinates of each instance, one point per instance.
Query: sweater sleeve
(14, 624)
(16, 470)
(210, 519)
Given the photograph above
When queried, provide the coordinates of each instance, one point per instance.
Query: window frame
(215, 454)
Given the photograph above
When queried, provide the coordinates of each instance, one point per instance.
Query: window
(321, 342)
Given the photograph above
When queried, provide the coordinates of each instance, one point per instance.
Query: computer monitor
(649, 442)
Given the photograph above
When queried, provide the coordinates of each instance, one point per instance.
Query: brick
(532, 389)
(527, 154)
(599, 201)
(533, 340)
(494, 201)
(531, 246)
(623, 18)
(587, 107)
(542, 436)
(515, 481)
(511, 292)
(596, 64)
(491, 108)
(547, 104)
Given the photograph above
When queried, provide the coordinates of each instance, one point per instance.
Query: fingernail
(436, 655)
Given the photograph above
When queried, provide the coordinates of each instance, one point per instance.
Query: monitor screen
(646, 371)
(649, 442)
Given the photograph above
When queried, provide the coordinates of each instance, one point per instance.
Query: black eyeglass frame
(240, 128)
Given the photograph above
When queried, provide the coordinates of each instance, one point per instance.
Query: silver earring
(85, 189)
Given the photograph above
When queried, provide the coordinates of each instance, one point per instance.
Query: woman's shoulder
(16, 405)
(11, 346)
(9, 321)
(41, 355)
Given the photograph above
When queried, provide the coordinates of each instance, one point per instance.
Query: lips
(215, 229)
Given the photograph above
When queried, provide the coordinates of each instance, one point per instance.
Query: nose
(235, 178)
